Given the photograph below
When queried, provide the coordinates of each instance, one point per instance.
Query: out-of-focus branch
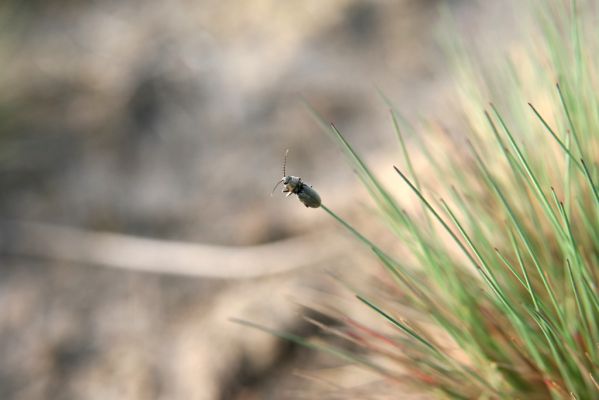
(166, 257)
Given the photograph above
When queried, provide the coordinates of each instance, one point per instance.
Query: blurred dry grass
(169, 120)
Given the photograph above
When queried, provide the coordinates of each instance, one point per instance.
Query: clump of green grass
(504, 256)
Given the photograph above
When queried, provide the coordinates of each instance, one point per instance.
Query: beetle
(294, 185)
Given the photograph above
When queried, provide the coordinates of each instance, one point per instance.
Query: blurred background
(168, 121)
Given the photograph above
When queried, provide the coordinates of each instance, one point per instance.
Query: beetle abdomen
(309, 197)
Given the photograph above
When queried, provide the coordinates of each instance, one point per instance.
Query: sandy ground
(169, 121)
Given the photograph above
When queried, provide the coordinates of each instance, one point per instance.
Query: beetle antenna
(285, 162)
(278, 183)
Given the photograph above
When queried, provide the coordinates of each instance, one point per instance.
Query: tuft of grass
(504, 265)
(507, 244)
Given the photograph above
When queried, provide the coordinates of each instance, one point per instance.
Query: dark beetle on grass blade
(294, 185)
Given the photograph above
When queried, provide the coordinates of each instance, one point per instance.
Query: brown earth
(169, 121)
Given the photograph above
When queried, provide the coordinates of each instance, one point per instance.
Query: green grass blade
(554, 135)
(569, 118)
(521, 232)
(594, 188)
(437, 216)
(336, 352)
(404, 328)
(581, 311)
(530, 174)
